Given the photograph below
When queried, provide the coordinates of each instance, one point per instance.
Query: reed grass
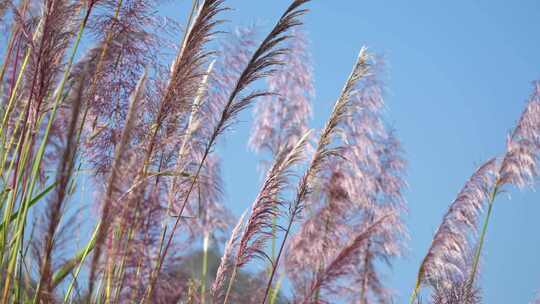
(88, 101)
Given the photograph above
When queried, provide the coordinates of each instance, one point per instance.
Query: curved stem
(275, 291)
(276, 262)
(229, 288)
(39, 155)
(478, 252)
(89, 247)
(415, 291)
(204, 270)
(167, 245)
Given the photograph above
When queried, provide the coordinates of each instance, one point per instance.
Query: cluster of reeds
(89, 104)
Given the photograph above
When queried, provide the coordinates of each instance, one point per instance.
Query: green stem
(41, 151)
(206, 242)
(274, 239)
(81, 258)
(275, 291)
(229, 288)
(478, 252)
(274, 233)
(20, 76)
(415, 290)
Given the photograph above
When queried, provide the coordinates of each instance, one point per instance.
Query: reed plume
(227, 262)
(389, 242)
(56, 205)
(446, 258)
(186, 71)
(115, 171)
(259, 228)
(235, 49)
(342, 210)
(126, 45)
(519, 165)
(260, 65)
(136, 120)
(258, 224)
(456, 293)
(281, 118)
(182, 85)
(374, 170)
(323, 152)
(340, 264)
(365, 183)
(45, 54)
(324, 231)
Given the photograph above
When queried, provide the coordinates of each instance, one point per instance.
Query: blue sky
(459, 73)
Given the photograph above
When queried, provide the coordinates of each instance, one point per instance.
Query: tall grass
(89, 101)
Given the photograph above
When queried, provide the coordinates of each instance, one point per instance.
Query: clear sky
(459, 73)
